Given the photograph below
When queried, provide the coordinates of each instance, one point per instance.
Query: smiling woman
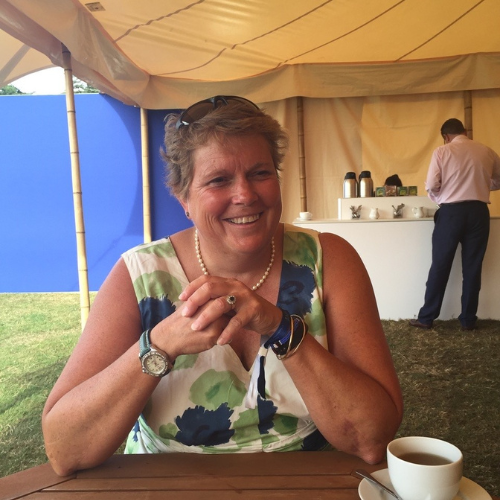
(213, 303)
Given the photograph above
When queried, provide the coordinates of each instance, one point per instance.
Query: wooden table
(293, 475)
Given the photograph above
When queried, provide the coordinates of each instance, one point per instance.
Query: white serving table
(397, 255)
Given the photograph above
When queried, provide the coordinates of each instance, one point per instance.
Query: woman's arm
(102, 389)
(351, 391)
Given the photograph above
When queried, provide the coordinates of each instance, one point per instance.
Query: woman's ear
(185, 206)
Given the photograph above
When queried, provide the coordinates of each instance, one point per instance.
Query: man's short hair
(452, 126)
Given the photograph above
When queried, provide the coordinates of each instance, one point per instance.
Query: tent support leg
(468, 113)
(77, 189)
(302, 159)
(146, 196)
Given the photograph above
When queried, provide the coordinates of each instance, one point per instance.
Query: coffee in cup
(424, 468)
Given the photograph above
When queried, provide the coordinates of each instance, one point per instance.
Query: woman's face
(234, 199)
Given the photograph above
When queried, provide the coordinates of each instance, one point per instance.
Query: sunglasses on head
(202, 108)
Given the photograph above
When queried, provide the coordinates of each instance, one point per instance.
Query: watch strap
(144, 343)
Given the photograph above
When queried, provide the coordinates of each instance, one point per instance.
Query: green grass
(451, 387)
(37, 333)
(450, 381)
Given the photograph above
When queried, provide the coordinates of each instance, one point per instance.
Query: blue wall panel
(37, 229)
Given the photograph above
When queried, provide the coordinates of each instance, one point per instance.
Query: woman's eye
(262, 173)
(217, 180)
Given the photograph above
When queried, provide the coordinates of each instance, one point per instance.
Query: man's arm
(495, 176)
(433, 181)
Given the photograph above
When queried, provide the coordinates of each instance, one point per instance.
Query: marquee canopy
(161, 54)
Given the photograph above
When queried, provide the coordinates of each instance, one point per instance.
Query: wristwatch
(154, 361)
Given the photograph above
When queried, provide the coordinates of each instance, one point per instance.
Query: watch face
(154, 363)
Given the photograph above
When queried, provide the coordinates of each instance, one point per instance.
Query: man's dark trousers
(467, 223)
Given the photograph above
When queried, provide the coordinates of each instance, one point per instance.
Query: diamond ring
(231, 300)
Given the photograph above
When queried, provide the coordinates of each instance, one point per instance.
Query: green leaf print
(214, 388)
(154, 285)
(285, 424)
(168, 431)
(185, 361)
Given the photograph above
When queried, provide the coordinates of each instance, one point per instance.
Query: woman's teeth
(244, 220)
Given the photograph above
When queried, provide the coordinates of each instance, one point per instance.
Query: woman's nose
(244, 192)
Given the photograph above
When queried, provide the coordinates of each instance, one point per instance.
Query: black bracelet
(299, 332)
(281, 336)
(298, 329)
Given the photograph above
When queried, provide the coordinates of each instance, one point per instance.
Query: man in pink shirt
(461, 175)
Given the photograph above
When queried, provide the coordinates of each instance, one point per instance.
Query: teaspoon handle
(366, 475)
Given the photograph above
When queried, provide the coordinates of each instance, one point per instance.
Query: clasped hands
(206, 318)
(206, 301)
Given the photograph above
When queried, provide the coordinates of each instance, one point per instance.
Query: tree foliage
(10, 90)
(81, 87)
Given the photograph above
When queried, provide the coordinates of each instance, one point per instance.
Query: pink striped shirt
(462, 170)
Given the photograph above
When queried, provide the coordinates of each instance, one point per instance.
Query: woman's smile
(248, 219)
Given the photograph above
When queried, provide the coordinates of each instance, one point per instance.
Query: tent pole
(77, 189)
(146, 196)
(302, 161)
(468, 113)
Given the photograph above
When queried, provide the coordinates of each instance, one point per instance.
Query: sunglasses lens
(242, 100)
(195, 112)
(200, 109)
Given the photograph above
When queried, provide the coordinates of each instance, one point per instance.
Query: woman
(204, 306)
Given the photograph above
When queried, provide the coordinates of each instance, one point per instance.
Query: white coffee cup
(435, 476)
(305, 215)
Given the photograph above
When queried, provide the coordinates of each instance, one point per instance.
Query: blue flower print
(296, 288)
(315, 442)
(136, 429)
(201, 427)
(154, 310)
(266, 410)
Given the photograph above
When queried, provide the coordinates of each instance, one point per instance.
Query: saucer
(469, 490)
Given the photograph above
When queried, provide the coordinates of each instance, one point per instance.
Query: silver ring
(231, 300)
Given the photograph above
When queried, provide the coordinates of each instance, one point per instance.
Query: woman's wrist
(155, 336)
(289, 335)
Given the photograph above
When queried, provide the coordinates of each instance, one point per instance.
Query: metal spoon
(366, 475)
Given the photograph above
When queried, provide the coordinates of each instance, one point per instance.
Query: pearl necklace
(204, 268)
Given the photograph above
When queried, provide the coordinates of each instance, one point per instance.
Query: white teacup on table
(424, 468)
(305, 215)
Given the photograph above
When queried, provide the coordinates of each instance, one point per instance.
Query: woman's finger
(175, 335)
(213, 288)
(225, 305)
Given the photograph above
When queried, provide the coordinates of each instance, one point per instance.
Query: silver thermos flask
(365, 184)
(350, 185)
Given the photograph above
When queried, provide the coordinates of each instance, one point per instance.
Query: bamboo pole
(146, 195)
(77, 189)
(302, 161)
(468, 113)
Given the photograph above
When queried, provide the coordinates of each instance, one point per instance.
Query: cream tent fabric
(164, 54)
(376, 78)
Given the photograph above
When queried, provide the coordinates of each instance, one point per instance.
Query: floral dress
(199, 406)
